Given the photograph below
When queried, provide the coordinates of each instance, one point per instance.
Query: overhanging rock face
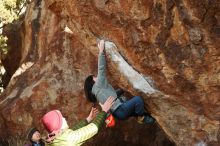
(167, 51)
(135, 79)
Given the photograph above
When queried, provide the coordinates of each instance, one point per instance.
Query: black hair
(31, 132)
(89, 82)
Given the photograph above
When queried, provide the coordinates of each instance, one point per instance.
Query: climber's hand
(101, 46)
(108, 104)
(92, 114)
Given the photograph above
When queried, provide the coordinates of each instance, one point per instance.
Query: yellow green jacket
(80, 133)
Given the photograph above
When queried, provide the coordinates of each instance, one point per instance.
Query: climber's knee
(138, 100)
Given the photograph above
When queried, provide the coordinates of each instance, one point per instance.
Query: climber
(61, 135)
(34, 137)
(98, 88)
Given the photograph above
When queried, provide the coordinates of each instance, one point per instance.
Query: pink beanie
(52, 121)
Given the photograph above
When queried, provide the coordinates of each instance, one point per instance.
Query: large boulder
(167, 51)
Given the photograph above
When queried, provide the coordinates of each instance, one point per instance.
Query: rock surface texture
(167, 51)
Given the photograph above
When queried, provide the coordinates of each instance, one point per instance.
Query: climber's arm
(101, 78)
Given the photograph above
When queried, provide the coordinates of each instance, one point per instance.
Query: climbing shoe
(145, 119)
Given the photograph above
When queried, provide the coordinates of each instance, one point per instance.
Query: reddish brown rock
(166, 51)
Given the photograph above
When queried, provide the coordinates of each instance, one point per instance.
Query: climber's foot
(146, 119)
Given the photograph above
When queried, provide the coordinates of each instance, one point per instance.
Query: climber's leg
(121, 113)
(132, 107)
(143, 116)
(129, 108)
